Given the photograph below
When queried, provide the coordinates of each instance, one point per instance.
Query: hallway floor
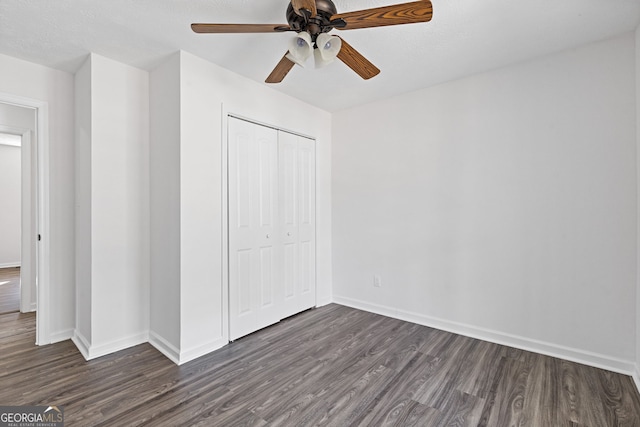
(9, 290)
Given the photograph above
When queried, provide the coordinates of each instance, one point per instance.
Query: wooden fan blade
(238, 28)
(356, 61)
(310, 5)
(405, 13)
(282, 69)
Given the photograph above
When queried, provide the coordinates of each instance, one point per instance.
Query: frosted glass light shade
(300, 48)
(328, 49)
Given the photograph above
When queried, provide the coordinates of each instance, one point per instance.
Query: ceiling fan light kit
(313, 19)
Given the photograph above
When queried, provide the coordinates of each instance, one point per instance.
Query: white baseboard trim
(90, 352)
(164, 347)
(181, 357)
(33, 307)
(81, 343)
(321, 302)
(601, 361)
(10, 264)
(61, 336)
(636, 377)
(201, 350)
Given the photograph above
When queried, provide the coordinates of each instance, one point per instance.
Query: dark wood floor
(9, 290)
(330, 366)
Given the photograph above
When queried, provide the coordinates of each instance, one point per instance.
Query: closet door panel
(271, 179)
(297, 208)
(288, 168)
(288, 183)
(290, 264)
(254, 263)
(307, 222)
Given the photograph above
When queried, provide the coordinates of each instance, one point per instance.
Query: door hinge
(39, 237)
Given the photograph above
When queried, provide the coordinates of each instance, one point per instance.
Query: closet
(271, 190)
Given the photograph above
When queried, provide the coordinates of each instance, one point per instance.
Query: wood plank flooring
(9, 290)
(332, 366)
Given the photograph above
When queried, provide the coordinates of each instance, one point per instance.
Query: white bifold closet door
(271, 226)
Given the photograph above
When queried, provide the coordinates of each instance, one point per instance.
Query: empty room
(316, 212)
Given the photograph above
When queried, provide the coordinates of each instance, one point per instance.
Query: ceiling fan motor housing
(321, 23)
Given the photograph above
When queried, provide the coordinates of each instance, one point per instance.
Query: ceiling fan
(313, 19)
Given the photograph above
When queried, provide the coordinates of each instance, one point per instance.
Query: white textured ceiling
(464, 37)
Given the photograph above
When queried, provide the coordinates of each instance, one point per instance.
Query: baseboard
(61, 336)
(201, 350)
(90, 352)
(164, 347)
(10, 264)
(181, 357)
(81, 343)
(575, 355)
(636, 377)
(321, 302)
(33, 307)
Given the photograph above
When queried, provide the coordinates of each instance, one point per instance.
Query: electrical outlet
(377, 281)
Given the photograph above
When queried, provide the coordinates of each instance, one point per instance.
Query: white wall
(14, 117)
(205, 92)
(119, 208)
(83, 202)
(10, 170)
(502, 205)
(117, 190)
(55, 87)
(636, 375)
(165, 206)
(201, 93)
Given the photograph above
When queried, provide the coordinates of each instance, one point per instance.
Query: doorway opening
(27, 120)
(10, 220)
